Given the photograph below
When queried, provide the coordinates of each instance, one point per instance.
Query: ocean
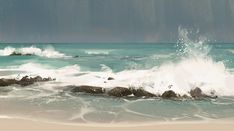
(153, 66)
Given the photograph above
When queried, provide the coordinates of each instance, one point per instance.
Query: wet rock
(110, 78)
(169, 94)
(142, 93)
(48, 79)
(38, 79)
(19, 54)
(120, 92)
(25, 81)
(196, 93)
(7, 82)
(87, 89)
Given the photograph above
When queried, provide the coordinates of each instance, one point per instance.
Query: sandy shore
(27, 125)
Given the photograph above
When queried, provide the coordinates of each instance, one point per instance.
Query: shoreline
(36, 125)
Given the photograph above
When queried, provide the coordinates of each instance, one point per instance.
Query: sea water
(155, 67)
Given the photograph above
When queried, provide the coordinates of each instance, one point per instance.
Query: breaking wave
(32, 50)
(194, 69)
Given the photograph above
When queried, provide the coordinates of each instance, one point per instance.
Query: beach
(27, 125)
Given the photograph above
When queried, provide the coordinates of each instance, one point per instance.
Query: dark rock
(48, 79)
(76, 56)
(141, 92)
(38, 79)
(169, 94)
(119, 92)
(7, 82)
(110, 78)
(25, 81)
(19, 54)
(196, 93)
(87, 89)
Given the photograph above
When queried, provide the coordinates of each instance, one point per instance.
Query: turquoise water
(151, 65)
(117, 56)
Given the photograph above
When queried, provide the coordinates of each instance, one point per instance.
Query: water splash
(190, 44)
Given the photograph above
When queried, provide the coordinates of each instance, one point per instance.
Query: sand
(27, 125)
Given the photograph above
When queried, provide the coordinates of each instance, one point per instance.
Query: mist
(114, 20)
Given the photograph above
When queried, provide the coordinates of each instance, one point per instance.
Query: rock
(141, 92)
(47, 79)
(7, 82)
(76, 56)
(110, 78)
(87, 89)
(19, 54)
(169, 94)
(120, 92)
(196, 93)
(38, 79)
(25, 81)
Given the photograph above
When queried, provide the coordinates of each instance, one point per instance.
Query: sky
(114, 20)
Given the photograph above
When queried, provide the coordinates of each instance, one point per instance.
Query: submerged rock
(87, 89)
(76, 56)
(141, 92)
(25, 81)
(198, 94)
(120, 92)
(19, 54)
(169, 94)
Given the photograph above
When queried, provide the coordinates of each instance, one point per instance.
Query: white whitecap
(48, 52)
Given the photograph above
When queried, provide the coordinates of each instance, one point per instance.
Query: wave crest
(32, 50)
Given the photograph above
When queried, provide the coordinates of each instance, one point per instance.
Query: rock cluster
(25, 81)
(195, 93)
(19, 54)
(124, 92)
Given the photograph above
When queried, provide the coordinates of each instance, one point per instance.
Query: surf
(48, 52)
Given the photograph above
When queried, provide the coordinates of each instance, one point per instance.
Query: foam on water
(181, 77)
(48, 52)
(97, 52)
(194, 69)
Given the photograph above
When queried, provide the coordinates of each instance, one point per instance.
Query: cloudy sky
(113, 20)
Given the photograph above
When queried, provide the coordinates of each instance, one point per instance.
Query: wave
(180, 77)
(32, 50)
(194, 69)
(97, 52)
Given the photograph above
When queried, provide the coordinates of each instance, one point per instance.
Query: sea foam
(194, 69)
(32, 50)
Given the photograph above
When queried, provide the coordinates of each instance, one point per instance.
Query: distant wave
(32, 50)
(97, 52)
(159, 56)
